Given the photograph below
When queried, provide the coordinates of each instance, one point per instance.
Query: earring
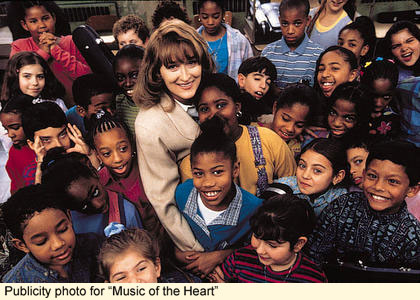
(239, 114)
(199, 20)
(223, 20)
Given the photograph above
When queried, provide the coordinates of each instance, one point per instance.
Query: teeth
(211, 194)
(327, 83)
(379, 198)
(185, 84)
(406, 55)
(259, 93)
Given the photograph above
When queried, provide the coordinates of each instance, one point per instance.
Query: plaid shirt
(239, 49)
(320, 202)
(410, 109)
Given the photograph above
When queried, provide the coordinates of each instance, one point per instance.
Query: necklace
(288, 273)
(213, 52)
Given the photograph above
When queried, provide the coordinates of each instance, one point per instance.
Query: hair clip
(50, 162)
(37, 101)
(100, 114)
(113, 228)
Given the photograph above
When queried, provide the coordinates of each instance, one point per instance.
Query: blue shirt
(230, 227)
(219, 51)
(293, 66)
(83, 266)
(321, 201)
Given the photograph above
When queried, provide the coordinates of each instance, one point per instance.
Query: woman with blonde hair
(175, 60)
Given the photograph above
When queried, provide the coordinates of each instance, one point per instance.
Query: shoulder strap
(262, 182)
(121, 207)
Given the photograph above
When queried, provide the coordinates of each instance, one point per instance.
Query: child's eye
(119, 278)
(95, 193)
(358, 161)
(301, 165)
(220, 105)
(410, 40)
(317, 171)
(197, 173)
(41, 242)
(297, 23)
(203, 109)
(300, 126)
(41, 76)
(272, 245)
(393, 47)
(123, 148)
(284, 24)
(120, 77)
(371, 176)
(27, 76)
(45, 18)
(140, 269)
(350, 119)
(387, 98)
(218, 172)
(335, 68)
(106, 154)
(332, 113)
(352, 45)
(393, 181)
(134, 75)
(285, 119)
(45, 140)
(340, 43)
(64, 229)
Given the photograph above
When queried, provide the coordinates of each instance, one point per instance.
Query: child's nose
(57, 242)
(380, 185)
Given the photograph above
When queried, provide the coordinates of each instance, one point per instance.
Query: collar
(189, 109)
(108, 180)
(32, 262)
(299, 50)
(229, 217)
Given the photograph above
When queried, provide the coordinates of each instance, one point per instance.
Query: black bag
(96, 53)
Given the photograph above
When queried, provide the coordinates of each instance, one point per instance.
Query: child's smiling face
(289, 122)
(385, 185)
(405, 47)
(114, 149)
(213, 175)
(126, 73)
(49, 237)
(37, 21)
(31, 80)
(333, 70)
(342, 117)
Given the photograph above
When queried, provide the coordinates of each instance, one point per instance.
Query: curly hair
(168, 10)
(131, 22)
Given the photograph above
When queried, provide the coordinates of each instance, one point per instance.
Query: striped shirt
(243, 265)
(293, 66)
(128, 111)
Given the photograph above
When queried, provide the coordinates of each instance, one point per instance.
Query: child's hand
(310, 130)
(205, 262)
(39, 150)
(79, 144)
(216, 276)
(181, 256)
(48, 40)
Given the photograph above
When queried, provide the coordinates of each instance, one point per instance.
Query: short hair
(294, 4)
(87, 86)
(380, 69)
(129, 22)
(398, 26)
(402, 153)
(351, 92)
(283, 218)
(214, 140)
(219, 3)
(53, 88)
(106, 122)
(17, 104)
(24, 5)
(135, 239)
(298, 93)
(167, 9)
(41, 116)
(346, 54)
(258, 64)
(332, 149)
(61, 169)
(174, 40)
(366, 29)
(25, 203)
(130, 51)
(223, 82)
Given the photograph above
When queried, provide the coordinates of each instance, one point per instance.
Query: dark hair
(53, 88)
(297, 4)
(167, 9)
(87, 86)
(351, 92)
(346, 54)
(298, 93)
(221, 81)
(395, 28)
(130, 51)
(61, 169)
(104, 122)
(24, 5)
(214, 140)
(41, 116)
(358, 142)
(258, 64)
(283, 218)
(129, 22)
(332, 149)
(25, 203)
(16, 104)
(366, 29)
(219, 3)
(402, 153)
(349, 8)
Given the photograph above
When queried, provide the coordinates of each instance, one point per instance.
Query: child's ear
(238, 106)
(235, 171)
(241, 80)
(365, 50)
(68, 214)
(339, 177)
(413, 190)
(81, 111)
(158, 266)
(23, 24)
(274, 108)
(353, 75)
(300, 243)
(20, 245)
(30, 144)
